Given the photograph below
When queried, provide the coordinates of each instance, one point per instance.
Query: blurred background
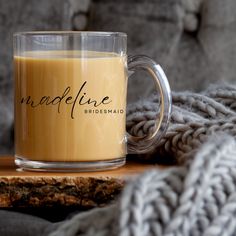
(193, 40)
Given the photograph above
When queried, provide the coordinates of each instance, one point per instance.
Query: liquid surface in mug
(70, 105)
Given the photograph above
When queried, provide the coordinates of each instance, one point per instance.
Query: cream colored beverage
(70, 106)
(70, 101)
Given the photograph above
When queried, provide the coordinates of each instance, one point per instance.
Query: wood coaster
(42, 189)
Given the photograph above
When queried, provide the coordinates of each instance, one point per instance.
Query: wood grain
(43, 189)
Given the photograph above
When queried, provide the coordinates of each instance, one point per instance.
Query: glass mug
(70, 100)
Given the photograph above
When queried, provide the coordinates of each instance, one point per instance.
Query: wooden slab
(39, 189)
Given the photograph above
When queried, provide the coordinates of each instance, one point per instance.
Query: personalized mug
(70, 100)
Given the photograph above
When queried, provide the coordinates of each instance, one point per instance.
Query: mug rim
(82, 33)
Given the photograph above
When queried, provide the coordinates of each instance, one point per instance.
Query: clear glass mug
(70, 100)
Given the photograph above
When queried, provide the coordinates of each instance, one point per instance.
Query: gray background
(194, 40)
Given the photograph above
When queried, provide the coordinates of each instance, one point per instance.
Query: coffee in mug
(70, 100)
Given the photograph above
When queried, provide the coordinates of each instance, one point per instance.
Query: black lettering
(44, 99)
(73, 106)
(104, 100)
(28, 101)
(69, 100)
(67, 90)
(94, 102)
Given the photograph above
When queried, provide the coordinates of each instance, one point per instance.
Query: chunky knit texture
(194, 118)
(195, 198)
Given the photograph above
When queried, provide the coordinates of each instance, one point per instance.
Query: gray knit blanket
(194, 197)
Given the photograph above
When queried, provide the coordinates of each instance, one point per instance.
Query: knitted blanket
(196, 197)
(195, 117)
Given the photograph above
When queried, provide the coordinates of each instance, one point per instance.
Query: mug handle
(144, 144)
